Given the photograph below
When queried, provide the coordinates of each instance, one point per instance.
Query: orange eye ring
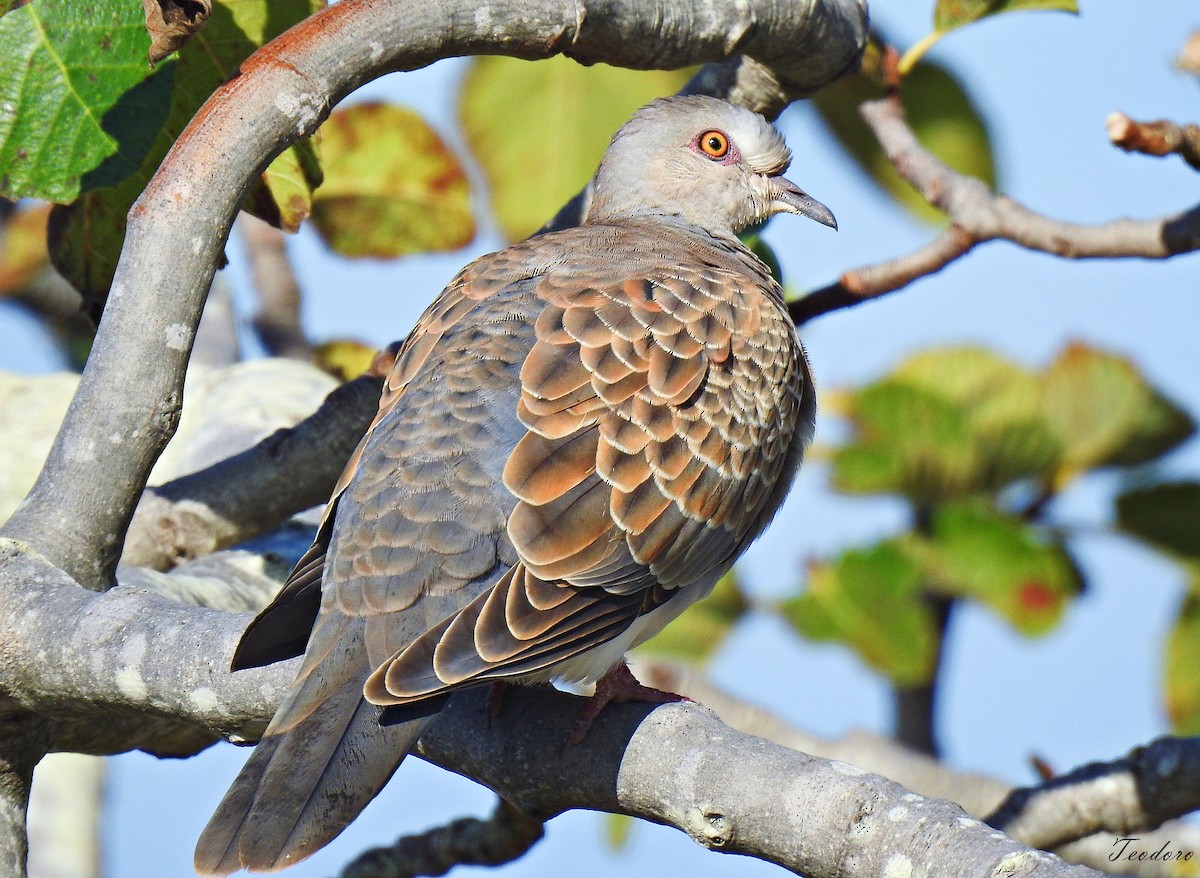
(714, 144)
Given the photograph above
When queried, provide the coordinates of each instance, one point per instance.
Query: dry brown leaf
(172, 23)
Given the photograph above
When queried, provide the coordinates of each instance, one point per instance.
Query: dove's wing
(665, 404)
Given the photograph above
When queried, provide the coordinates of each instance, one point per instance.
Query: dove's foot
(618, 685)
(495, 700)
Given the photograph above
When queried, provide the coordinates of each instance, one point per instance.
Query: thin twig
(977, 215)
(500, 838)
(1159, 138)
(869, 281)
(277, 322)
(986, 216)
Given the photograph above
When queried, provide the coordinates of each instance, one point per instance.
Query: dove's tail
(322, 759)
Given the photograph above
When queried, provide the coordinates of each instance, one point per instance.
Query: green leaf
(1166, 515)
(948, 422)
(86, 237)
(79, 107)
(871, 600)
(1181, 671)
(1105, 413)
(910, 441)
(1160, 427)
(964, 375)
(942, 115)
(978, 552)
(702, 627)
(950, 14)
(538, 129)
(392, 187)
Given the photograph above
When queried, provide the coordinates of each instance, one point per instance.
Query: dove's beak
(787, 197)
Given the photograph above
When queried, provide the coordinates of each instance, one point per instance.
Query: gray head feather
(657, 164)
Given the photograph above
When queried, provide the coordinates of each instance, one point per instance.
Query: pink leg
(495, 702)
(618, 685)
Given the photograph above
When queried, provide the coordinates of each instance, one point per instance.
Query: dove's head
(711, 163)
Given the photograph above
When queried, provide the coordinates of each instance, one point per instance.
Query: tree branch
(728, 791)
(978, 215)
(977, 794)
(503, 837)
(277, 322)
(1155, 138)
(23, 739)
(254, 492)
(869, 281)
(731, 792)
(1138, 792)
(986, 216)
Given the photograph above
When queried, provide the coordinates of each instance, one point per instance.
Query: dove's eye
(714, 144)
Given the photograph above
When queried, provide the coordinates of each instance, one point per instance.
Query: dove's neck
(606, 211)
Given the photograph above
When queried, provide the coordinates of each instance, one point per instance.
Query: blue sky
(1045, 83)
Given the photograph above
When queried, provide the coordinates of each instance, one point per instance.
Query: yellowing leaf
(955, 13)
(344, 358)
(23, 252)
(1181, 673)
(283, 195)
(1104, 412)
(617, 828)
(391, 186)
(539, 128)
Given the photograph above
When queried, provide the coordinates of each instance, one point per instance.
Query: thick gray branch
(730, 792)
(152, 669)
(1150, 785)
(1107, 809)
(128, 401)
(23, 738)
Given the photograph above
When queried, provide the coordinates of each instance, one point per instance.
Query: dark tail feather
(302, 787)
